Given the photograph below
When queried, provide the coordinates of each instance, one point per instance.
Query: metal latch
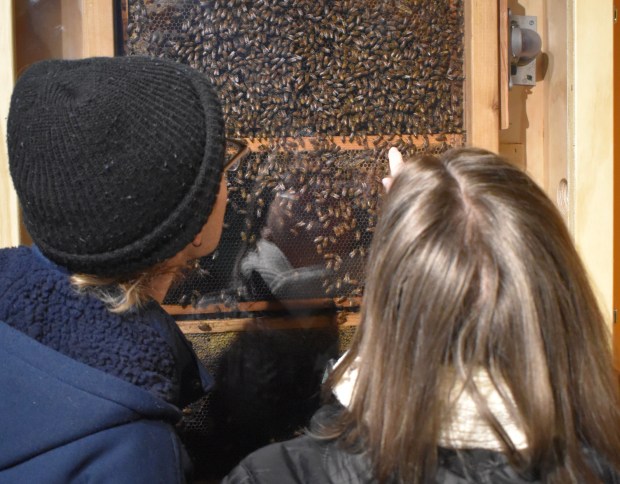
(524, 44)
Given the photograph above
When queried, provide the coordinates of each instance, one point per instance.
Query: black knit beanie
(116, 161)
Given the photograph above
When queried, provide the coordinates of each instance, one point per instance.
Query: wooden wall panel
(591, 172)
(33, 31)
(98, 21)
(539, 114)
(482, 74)
(616, 234)
(9, 219)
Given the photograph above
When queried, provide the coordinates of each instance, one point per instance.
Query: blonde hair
(121, 294)
(472, 267)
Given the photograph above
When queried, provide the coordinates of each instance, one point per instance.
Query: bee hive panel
(313, 67)
(320, 91)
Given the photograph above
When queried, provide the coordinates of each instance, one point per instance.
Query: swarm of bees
(344, 66)
(334, 72)
(323, 200)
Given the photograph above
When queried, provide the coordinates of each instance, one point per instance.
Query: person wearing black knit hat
(118, 164)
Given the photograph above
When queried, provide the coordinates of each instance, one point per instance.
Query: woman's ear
(197, 242)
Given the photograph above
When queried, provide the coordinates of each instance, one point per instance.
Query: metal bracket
(524, 46)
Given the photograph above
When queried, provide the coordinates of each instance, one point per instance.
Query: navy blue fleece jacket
(87, 394)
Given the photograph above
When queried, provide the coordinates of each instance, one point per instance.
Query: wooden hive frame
(92, 33)
(481, 120)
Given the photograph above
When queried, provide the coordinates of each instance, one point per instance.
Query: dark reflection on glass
(267, 389)
(290, 268)
(325, 88)
(307, 246)
(298, 227)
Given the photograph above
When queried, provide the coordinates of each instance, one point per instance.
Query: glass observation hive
(319, 91)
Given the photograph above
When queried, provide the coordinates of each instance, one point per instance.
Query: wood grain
(9, 211)
(504, 64)
(268, 323)
(482, 74)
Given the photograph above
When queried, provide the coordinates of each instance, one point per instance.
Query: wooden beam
(357, 142)
(9, 211)
(591, 170)
(504, 64)
(98, 28)
(258, 306)
(343, 319)
(482, 74)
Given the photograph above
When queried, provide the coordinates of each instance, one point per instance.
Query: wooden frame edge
(482, 74)
(9, 206)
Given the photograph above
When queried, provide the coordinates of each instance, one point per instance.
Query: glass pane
(319, 91)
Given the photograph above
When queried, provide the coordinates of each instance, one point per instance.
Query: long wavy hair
(472, 267)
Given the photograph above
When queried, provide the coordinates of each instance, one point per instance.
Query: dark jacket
(63, 421)
(87, 395)
(307, 460)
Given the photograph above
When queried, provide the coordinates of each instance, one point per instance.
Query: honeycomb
(353, 78)
(287, 68)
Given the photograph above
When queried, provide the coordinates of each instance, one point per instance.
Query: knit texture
(116, 161)
(38, 300)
